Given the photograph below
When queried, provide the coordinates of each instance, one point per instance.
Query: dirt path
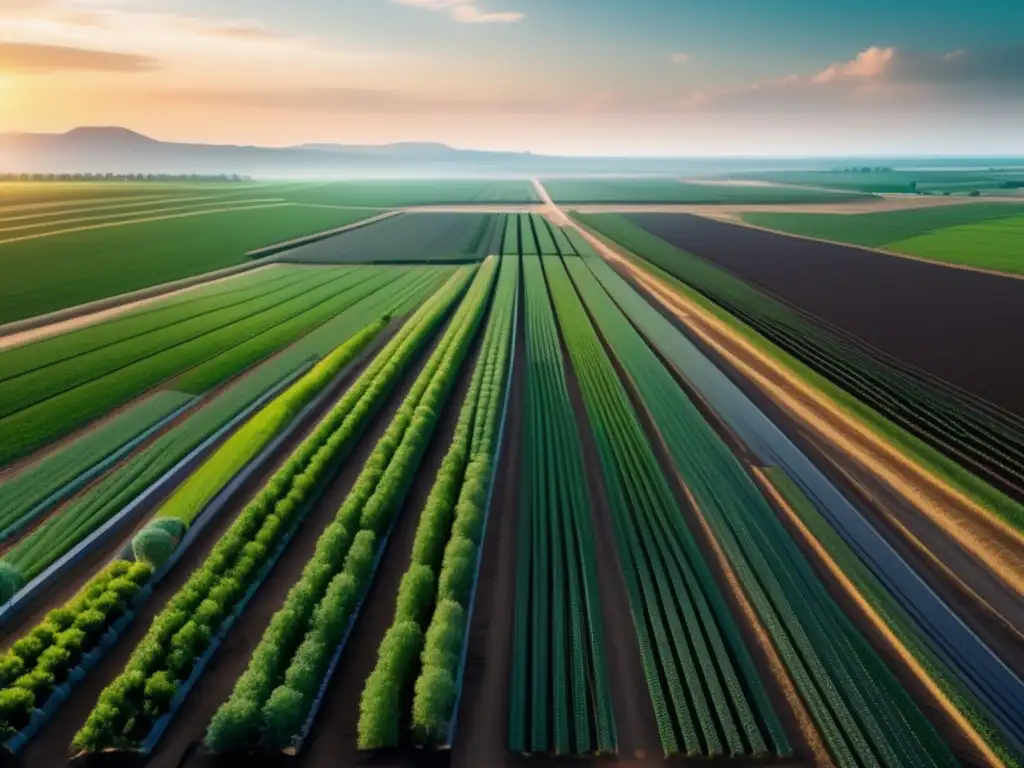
(50, 748)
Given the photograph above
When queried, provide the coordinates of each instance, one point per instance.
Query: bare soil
(953, 324)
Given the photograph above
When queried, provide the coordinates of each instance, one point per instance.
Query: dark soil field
(960, 326)
(409, 237)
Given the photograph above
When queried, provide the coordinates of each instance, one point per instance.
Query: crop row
(527, 240)
(84, 514)
(182, 632)
(18, 361)
(988, 441)
(559, 698)
(153, 545)
(27, 492)
(424, 642)
(275, 696)
(708, 698)
(859, 708)
(510, 240)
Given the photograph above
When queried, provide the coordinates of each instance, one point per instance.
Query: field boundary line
(877, 621)
(738, 221)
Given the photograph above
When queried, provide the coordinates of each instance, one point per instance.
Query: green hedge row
(273, 697)
(258, 431)
(127, 708)
(41, 659)
(445, 546)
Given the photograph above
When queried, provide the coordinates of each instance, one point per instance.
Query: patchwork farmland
(502, 485)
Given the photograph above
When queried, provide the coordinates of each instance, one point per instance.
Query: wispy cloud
(868, 64)
(465, 11)
(679, 58)
(39, 58)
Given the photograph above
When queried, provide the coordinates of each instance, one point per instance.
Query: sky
(578, 77)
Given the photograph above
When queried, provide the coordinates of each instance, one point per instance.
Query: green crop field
(409, 237)
(887, 180)
(997, 245)
(61, 270)
(983, 235)
(665, 190)
(397, 194)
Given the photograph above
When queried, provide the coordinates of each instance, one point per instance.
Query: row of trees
(123, 177)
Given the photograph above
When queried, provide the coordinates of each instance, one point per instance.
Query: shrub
(123, 587)
(456, 579)
(15, 704)
(360, 556)
(416, 594)
(469, 522)
(160, 689)
(28, 649)
(11, 666)
(90, 621)
(153, 545)
(432, 704)
(283, 715)
(234, 725)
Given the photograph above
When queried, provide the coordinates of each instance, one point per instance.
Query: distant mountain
(119, 150)
(111, 149)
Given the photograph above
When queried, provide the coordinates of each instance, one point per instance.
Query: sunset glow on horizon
(645, 77)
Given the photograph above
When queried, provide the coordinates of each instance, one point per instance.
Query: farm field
(410, 237)
(983, 235)
(662, 190)
(897, 180)
(918, 314)
(453, 486)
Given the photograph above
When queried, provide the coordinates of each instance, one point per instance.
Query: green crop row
(181, 633)
(708, 698)
(510, 241)
(42, 659)
(545, 240)
(273, 697)
(862, 713)
(527, 240)
(203, 484)
(559, 697)
(29, 357)
(30, 487)
(447, 537)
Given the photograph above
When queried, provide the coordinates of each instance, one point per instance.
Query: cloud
(465, 11)
(870, 63)
(679, 58)
(39, 58)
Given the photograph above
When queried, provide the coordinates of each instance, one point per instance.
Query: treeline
(123, 177)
